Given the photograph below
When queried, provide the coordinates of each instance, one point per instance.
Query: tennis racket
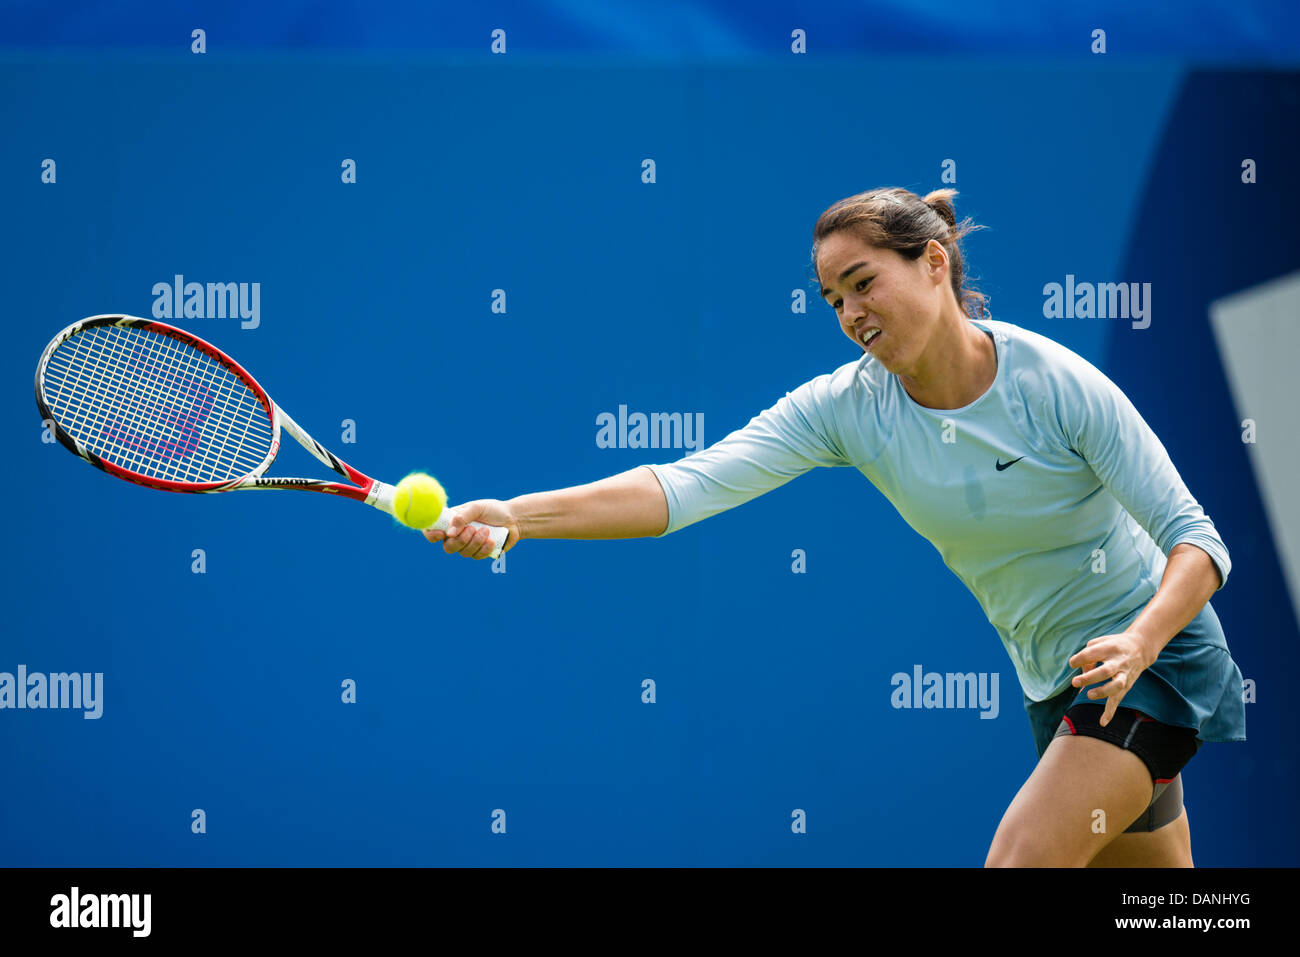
(157, 406)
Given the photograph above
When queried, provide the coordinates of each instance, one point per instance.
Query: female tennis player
(1042, 488)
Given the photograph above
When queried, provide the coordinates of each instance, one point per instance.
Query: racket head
(155, 405)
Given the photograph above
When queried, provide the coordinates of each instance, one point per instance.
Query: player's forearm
(628, 505)
(1190, 578)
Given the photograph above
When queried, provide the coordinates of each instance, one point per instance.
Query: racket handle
(381, 497)
(498, 533)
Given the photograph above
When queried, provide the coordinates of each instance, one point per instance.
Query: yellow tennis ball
(419, 500)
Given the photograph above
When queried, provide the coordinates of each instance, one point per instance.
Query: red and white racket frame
(366, 489)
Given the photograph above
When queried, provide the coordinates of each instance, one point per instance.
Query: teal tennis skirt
(1193, 683)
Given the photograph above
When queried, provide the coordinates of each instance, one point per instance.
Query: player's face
(885, 303)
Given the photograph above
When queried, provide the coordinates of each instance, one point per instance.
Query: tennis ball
(419, 500)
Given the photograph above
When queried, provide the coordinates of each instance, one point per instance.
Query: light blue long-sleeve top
(1091, 487)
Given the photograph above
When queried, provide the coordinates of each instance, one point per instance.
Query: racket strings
(156, 406)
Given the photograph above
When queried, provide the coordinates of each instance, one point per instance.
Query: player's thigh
(1082, 794)
(1168, 846)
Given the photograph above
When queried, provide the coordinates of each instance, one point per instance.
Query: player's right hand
(461, 539)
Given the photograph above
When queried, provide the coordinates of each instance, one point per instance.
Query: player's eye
(862, 284)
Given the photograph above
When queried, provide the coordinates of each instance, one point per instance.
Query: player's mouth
(868, 337)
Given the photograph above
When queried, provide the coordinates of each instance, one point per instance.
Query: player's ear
(936, 261)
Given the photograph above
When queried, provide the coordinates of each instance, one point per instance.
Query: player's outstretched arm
(628, 505)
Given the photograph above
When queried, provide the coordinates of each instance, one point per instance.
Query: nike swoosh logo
(1001, 466)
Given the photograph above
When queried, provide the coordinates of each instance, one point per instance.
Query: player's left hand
(1121, 658)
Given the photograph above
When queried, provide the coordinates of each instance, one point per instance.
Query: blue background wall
(521, 690)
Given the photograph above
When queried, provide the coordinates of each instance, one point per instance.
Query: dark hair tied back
(898, 219)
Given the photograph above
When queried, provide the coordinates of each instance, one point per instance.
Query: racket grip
(498, 533)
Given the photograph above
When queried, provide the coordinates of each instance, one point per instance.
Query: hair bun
(943, 206)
